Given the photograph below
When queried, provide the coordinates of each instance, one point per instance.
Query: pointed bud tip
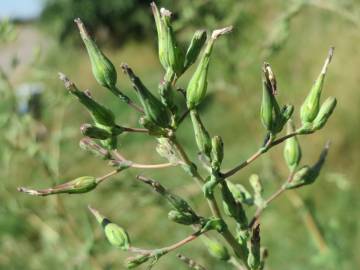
(328, 60)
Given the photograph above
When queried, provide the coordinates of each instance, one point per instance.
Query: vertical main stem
(229, 238)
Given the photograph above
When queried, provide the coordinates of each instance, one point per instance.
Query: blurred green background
(39, 143)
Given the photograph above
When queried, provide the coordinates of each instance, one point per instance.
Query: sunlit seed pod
(202, 137)
(175, 56)
(95, 132)
(103, 70)
(184, 218)
(101, 115)
(197, 42)
(79, 185)
(115, 234)
(161, 32)
(307, 175)
(217, 152)
(197, 87)
(310, 108)
(154, 110)
(167, 95)
(266, 109)
(216, 249)
(282, 117)
(324, 114)
(292, 150)
(300, 177)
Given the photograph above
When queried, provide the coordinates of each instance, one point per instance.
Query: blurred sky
(20, 9)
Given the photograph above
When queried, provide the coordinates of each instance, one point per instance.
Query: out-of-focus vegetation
(293, 36)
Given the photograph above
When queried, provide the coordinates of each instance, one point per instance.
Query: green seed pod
(161, 32)
(266, 110)
(202, 137)
(101, 115)
(94, 132)
(79, 185)
(197, 42)
(233, 208)
(116, 235)
(240, 193)
(292, 150)
(91, 146)
(174, 54)
(197, 86)
(153, 108)
(253, 260)
(167, 95)
(176, 201)
(133, 262)
(307, 175)
(324, 114)
(310, 108)
(216, 249)
(282, 117)
(184, 218)
(103, 70)
(217, 152)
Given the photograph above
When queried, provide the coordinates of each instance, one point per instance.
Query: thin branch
(254, 222)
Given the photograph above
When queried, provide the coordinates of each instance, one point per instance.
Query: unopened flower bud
(184, 218)
(292, 150)
(216, 249)
(173, 52)
(153, 108)
(310, 108)
(197, 86)
(79, 185)
(217, 152)
(324, 114)
(94, 132)
(307, 175)
(266, 109)
(101, 115)
(197, 42)
(202, 137)
(116, 235)
(103, 70)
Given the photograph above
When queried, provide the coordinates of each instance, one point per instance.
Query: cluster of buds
(160, 118)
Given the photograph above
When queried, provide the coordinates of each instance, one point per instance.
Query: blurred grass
(58, 233)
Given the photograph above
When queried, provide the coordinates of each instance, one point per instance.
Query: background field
(58, 232)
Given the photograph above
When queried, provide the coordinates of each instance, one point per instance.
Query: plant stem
(106, 176)
(230, 239)
(254, 222)
(258, 153)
